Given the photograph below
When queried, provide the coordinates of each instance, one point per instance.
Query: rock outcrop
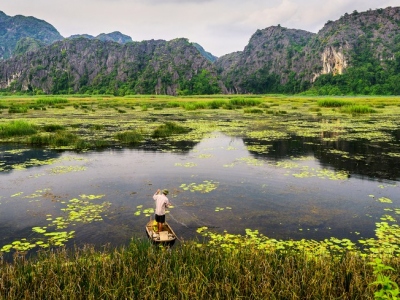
(277, 55)
(81, 64)
(13, 29)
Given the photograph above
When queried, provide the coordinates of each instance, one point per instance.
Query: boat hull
(166, 236)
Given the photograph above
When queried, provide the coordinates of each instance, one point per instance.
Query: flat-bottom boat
(165, 236)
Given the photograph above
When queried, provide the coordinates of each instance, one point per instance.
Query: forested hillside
(357, 54)
(82, 65)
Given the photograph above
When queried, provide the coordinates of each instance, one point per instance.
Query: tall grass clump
(143, 271)
(333, 103)
(244, 102)
(130, 137)
(16, 128)
(358, 109)
(216, 104)
(167, 129)
(173, 104)
(253, 111)
(51, 101)
(194, 105)
(17, 109)
(57, 139)
(53, 127)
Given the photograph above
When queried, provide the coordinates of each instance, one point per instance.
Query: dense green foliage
(201, 84)
(367, 75)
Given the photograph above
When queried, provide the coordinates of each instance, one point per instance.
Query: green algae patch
(385, 200)
(186, 165)
(250, 161)
(66, 169)
(77, 211)
(268, 135)
(206, 186)
(307, 172)
(33, 162)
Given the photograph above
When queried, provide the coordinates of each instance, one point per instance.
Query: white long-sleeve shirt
(161, 203)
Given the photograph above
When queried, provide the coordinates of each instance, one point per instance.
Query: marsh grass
(57, 139)
(53, 127)
(144, 271)
(169, 128)
(129, 137)
(17, 109)
(357, 109)
(253, 111)
(333, 102)
(97, 127)
(16, 128)
(51, 101)
(240, 102)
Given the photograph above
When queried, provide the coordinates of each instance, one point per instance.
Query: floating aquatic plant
(204, 155)
(268, 135)
(250, 161)
(323, 174)
(261, 149)
(385, 200)
(66, 169)
(205, 187)
(217, 209)
(186, 165)
(78, 211)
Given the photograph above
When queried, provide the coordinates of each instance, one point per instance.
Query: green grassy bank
(187, 271)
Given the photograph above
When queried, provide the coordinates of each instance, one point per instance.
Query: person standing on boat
(161, 203)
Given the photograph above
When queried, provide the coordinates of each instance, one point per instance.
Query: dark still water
(290, 189)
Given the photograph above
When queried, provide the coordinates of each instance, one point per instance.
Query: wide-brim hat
(165, 191)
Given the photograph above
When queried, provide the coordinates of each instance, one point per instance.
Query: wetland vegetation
(294, 196)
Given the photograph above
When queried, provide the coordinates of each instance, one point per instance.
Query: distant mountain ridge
(13, 29)
(85, 65)
(357, 54)
(278, 59)
(115, 36)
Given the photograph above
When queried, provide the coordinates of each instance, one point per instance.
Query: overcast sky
(220, 26)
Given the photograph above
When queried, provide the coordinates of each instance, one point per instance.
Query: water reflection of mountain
(362, 158)
(11, 155)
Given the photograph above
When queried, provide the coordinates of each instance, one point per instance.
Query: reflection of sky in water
(261, 194)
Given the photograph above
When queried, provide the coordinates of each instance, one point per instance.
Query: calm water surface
(290, 192)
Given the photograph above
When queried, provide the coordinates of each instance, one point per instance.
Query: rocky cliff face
(155, 66)
(333, 61)
(13, 29)
(280, 54)
(206, 54)
(277, 59)
(337, 43)
(270, 51)
(115, 36)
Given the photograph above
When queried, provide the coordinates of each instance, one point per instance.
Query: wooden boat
(166, 236)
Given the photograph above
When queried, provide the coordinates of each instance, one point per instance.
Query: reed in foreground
(143, 271)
